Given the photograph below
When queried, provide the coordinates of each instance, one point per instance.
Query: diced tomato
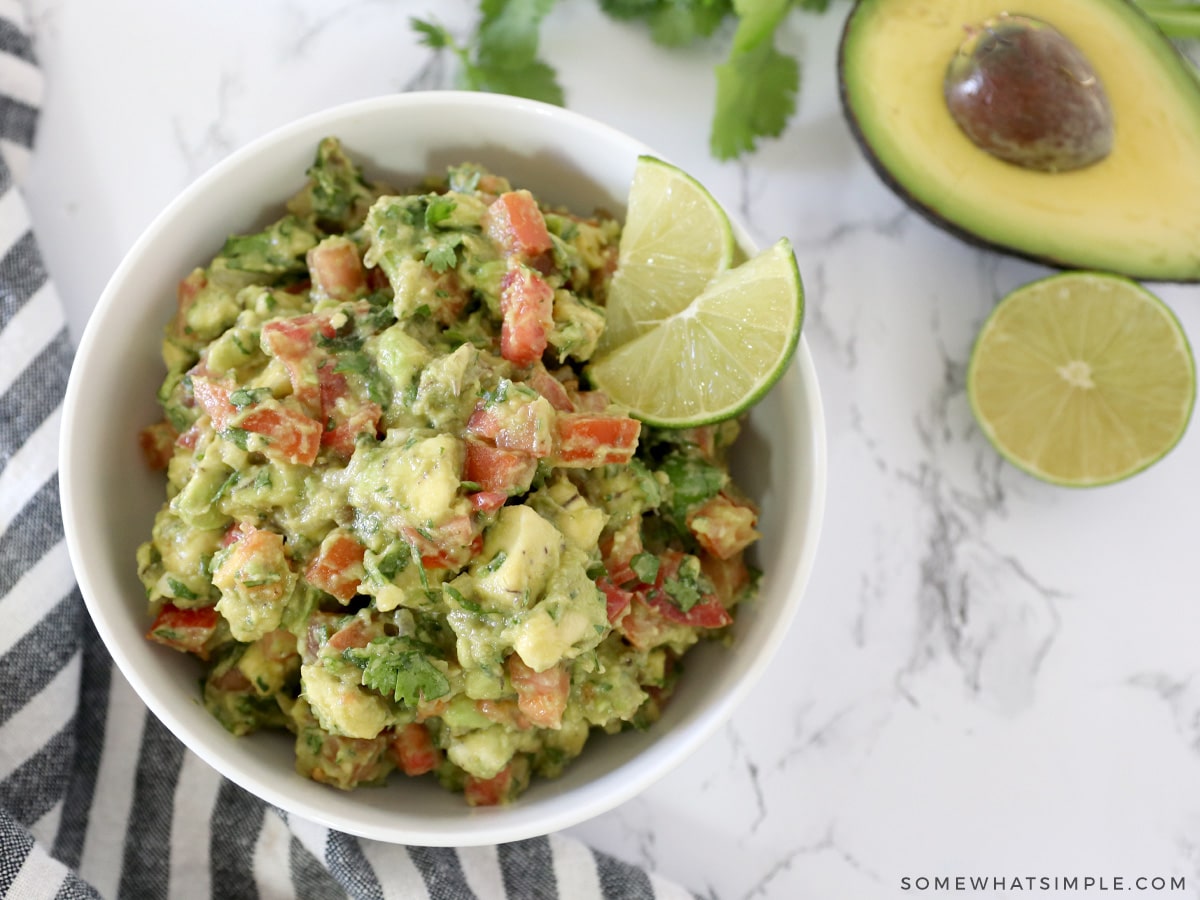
(618, 600)
(729, 576)
(497, 470)
(618, 550)
(413, 750)
(185, 297)
(449, 546)
(708, 613)
(232, 535)
(293, 342)
(292, 437)
(503, 712)
(550, 387)
(514, 222)
(527, 307)
(591, 401)
(347, 762)
(233, 680)
(213, 397)
(337, 269)
(487, 501)
(256, 553)
(587, 440)
(184, 629)
(652, 614)
(158, 444)
(514, 426)
(723, 526)
(355, 633)
(490, 791)
(189, 438)
(349, 416)
(541, 696)
(338, 566)
(321, 625)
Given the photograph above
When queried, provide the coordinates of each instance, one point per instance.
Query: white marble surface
(988, 676)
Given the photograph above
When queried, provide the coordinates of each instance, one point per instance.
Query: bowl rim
(471, 830)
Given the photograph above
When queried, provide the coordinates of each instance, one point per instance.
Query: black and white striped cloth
(97, 798)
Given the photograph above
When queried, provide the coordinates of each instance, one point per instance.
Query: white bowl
(109, 497)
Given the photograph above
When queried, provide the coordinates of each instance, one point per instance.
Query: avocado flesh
(1136, 212)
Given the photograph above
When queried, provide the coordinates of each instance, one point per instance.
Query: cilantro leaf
(645, 567)
(400, 667)
(431, 34)
(443, 256)
(756, 85)
(677, 23)
(536, 80)
(693, 480)
(508, 32)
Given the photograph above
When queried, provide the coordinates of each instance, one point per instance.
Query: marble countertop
(988, 675)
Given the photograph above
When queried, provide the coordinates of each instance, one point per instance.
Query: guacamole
(398, 524)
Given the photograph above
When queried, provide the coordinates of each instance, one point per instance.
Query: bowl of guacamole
(360, 533)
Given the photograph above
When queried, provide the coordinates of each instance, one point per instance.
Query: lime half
(1082, 378)
(717, 356)
(675, 240)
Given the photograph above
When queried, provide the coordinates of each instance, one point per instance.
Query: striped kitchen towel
(97, 798)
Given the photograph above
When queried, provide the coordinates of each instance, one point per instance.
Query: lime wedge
(675, 240)
(717, 356)
(1082, 378)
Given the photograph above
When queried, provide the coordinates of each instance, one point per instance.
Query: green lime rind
(1172, 398)
(719, 356)
(675, 240)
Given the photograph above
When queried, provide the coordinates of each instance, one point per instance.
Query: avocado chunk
(1134, 211)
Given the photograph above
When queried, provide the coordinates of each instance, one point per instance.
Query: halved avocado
(1135, 212)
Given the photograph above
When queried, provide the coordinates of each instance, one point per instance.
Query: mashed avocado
(397, 523)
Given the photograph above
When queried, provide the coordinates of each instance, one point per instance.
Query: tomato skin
(527, 307)
(337, 568)
(413, 750)
(187, 630)
(514, 221)
(497, 470)
(449, 546)
(708, 613)
(587, 440)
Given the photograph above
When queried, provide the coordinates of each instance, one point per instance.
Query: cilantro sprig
(756, 84)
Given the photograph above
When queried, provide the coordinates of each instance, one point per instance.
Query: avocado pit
(1021, 91)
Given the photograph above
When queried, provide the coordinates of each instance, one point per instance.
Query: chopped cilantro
(438, 211)
(243, 397)
(400, 667)
(239, 437)
(443, 257)
(180, 590)
(645, 567)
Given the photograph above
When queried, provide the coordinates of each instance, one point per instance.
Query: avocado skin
(969, 236)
